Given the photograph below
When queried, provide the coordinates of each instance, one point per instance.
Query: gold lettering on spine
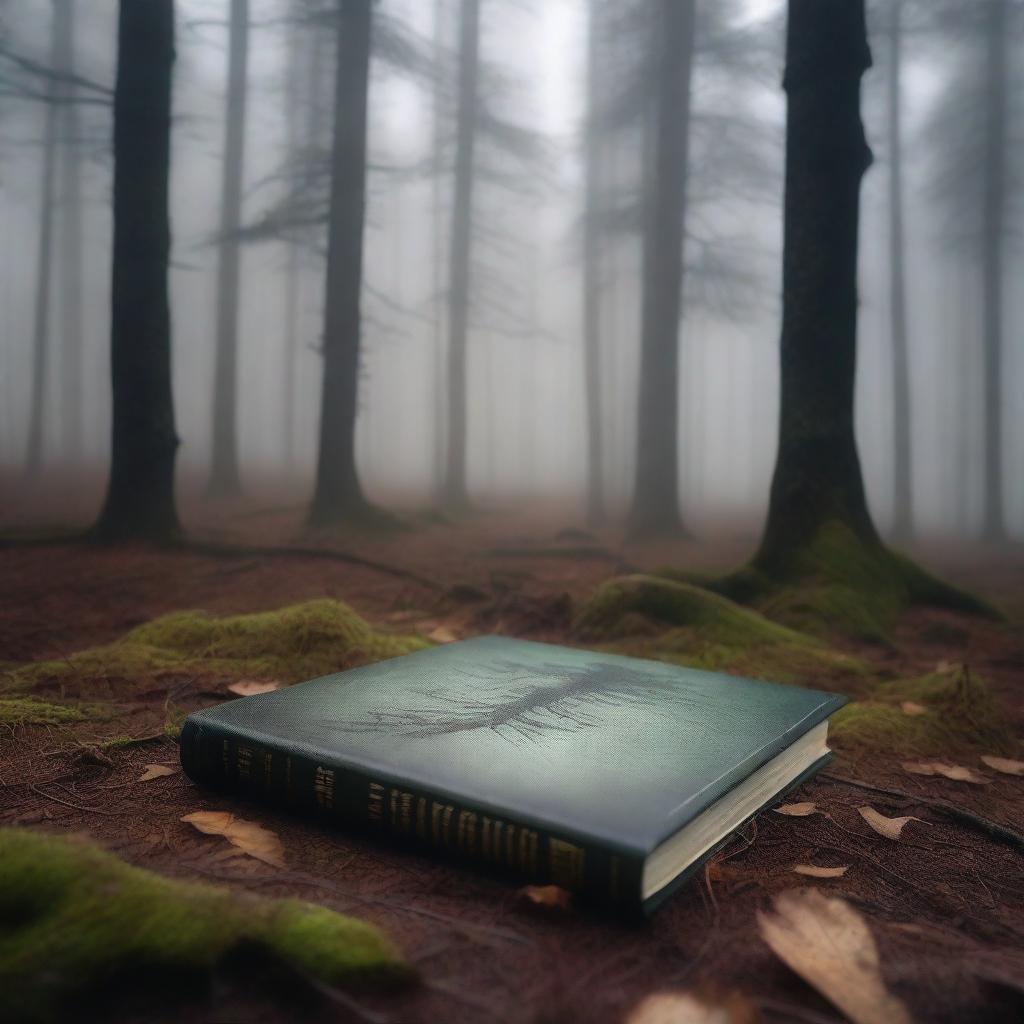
(421, 818)
(467, 833)
(323, 787)
(448, 812)
(375, 805)
(405, 812)
(566, 863)
(268, 766)
(243, 762)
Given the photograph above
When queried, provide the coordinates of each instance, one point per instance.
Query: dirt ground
(946, 906)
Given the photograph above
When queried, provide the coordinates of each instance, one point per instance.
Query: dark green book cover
(562, 765)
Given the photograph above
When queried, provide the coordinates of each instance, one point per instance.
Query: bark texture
(338, 496)
(817, 477)
(655, 508)
(455, 490)
(224, 479)
(140, 494)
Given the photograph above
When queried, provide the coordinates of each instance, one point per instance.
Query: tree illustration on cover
(573, 701)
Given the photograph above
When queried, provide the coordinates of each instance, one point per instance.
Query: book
(613, 777)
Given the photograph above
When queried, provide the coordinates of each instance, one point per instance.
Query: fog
(527, 429)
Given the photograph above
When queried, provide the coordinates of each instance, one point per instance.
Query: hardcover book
(613, 777)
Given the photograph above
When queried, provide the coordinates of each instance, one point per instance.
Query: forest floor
(945, 903)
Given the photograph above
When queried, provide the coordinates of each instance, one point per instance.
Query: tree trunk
(437, 200)
(41, 332)
(655, 508)
(224, 480)
(817, 471)
(338, 494)
(993, 234)
(592, 285)
(903, 507)
(140, 493)
(70, 243)
(289, 349)
(456, 493)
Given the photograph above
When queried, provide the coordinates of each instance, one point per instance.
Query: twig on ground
(67, 803)
(1001, 833)
(223, 550)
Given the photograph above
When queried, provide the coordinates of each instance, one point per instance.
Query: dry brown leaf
(553, 897)
(829, 945)
(249, 836)
(250, 687)
(815, 872)
(687, 1008)
(442, 635)
(800, 810)
(155, 771)
(911, 707)
(1003, 764)
(956, 772)
(891, 828)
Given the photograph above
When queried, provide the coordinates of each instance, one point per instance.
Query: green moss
(16, 711)
(838, 584)
(73, 917)
(671, 620)
(960, 716)
(289, 644)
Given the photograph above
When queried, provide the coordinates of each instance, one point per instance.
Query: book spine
(353, 799)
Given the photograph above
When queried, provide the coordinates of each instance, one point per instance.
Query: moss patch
(960, 716)
(839, 584)
(73, 916)
(16, 711)
(671, 620)
(293, 643)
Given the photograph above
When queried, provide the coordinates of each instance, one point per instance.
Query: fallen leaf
(250, 687)
(1003, 764)
(891, 828)
(442, 635)
(815, 872)
(155, 771)
(249, 836)
(825, 941)
(551, 896)
(911, 707)
(797, 810)
(956, 772)
(687, 1008)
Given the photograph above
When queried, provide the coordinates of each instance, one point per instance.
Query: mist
(526, 434)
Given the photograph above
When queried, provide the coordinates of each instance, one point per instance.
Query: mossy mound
(290, 644)
(73, 917)
(17, 711)
(953, 713)
(838, 583)
(655, 617)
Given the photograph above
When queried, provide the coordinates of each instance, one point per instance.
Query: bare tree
(655, 508)
(338, 496)
(455, 491)
(140, 494)
(44, 257)
(592, 162)
(224, 479)
(903, 508)
(70, 248)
